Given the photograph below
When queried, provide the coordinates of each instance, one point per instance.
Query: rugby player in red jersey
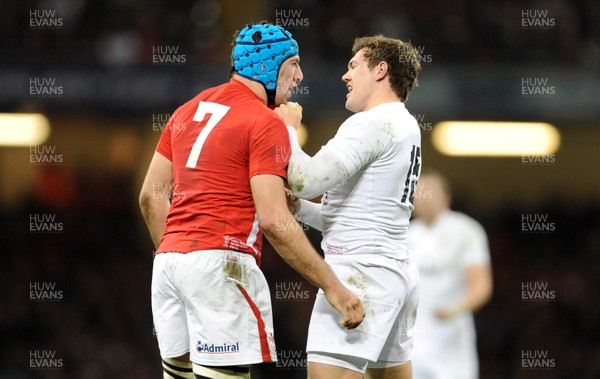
(214, 186)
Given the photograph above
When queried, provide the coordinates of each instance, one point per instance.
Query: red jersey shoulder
(234, 95)
(188, 109)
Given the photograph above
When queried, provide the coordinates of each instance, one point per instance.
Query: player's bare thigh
(324, 371)
(403, 371)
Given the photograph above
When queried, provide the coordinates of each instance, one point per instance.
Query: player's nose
(346, 77)
(299, 75)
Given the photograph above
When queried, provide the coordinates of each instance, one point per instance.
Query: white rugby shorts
(388, 289)
(214, 304)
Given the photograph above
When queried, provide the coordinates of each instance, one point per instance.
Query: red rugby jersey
(217, 141)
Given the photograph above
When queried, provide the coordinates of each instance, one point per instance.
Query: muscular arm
(154, 196)
(479, 291)
(479, 287)
(288, 239)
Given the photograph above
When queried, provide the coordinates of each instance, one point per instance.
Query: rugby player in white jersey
(367, 174)
(452, 254)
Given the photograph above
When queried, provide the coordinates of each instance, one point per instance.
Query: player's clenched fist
(348, 304)
(291, 113)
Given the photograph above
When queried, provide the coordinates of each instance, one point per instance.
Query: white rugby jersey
(443, 251)
(367, 174)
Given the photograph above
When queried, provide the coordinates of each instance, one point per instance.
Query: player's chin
(283, 99)
(350, 106)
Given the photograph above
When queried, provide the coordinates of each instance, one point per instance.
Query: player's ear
(381, 70)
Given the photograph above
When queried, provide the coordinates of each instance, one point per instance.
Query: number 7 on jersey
(217, 111)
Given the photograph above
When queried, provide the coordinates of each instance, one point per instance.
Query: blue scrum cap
(258, 53)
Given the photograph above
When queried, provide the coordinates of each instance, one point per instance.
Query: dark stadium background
(97, 267)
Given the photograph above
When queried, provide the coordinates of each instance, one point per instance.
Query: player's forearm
(291, 244)
(476, 297)
(308, 176)
(155, 213)
(479, 288)
(479, 291)
(310, 214)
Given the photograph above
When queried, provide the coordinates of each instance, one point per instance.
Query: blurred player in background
(369, 171)
(221, 161)
(452, 253)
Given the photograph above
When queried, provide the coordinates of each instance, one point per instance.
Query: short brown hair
(441, 178)
(402, 58)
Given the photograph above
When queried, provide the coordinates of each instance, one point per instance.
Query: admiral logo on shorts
(225, 348)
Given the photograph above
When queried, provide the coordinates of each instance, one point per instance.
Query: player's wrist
(332, 285)
(460, 308)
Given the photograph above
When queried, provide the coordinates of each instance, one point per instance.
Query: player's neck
(429, 221)
(380, 96)
(255, 87)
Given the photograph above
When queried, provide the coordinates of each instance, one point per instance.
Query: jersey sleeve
(358, 142)
(310, 214)
(476, 245)
(269, 147)
(355, 146)
(164, 144)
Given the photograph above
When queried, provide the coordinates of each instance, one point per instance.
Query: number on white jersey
(217, 111)
(413, 175)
